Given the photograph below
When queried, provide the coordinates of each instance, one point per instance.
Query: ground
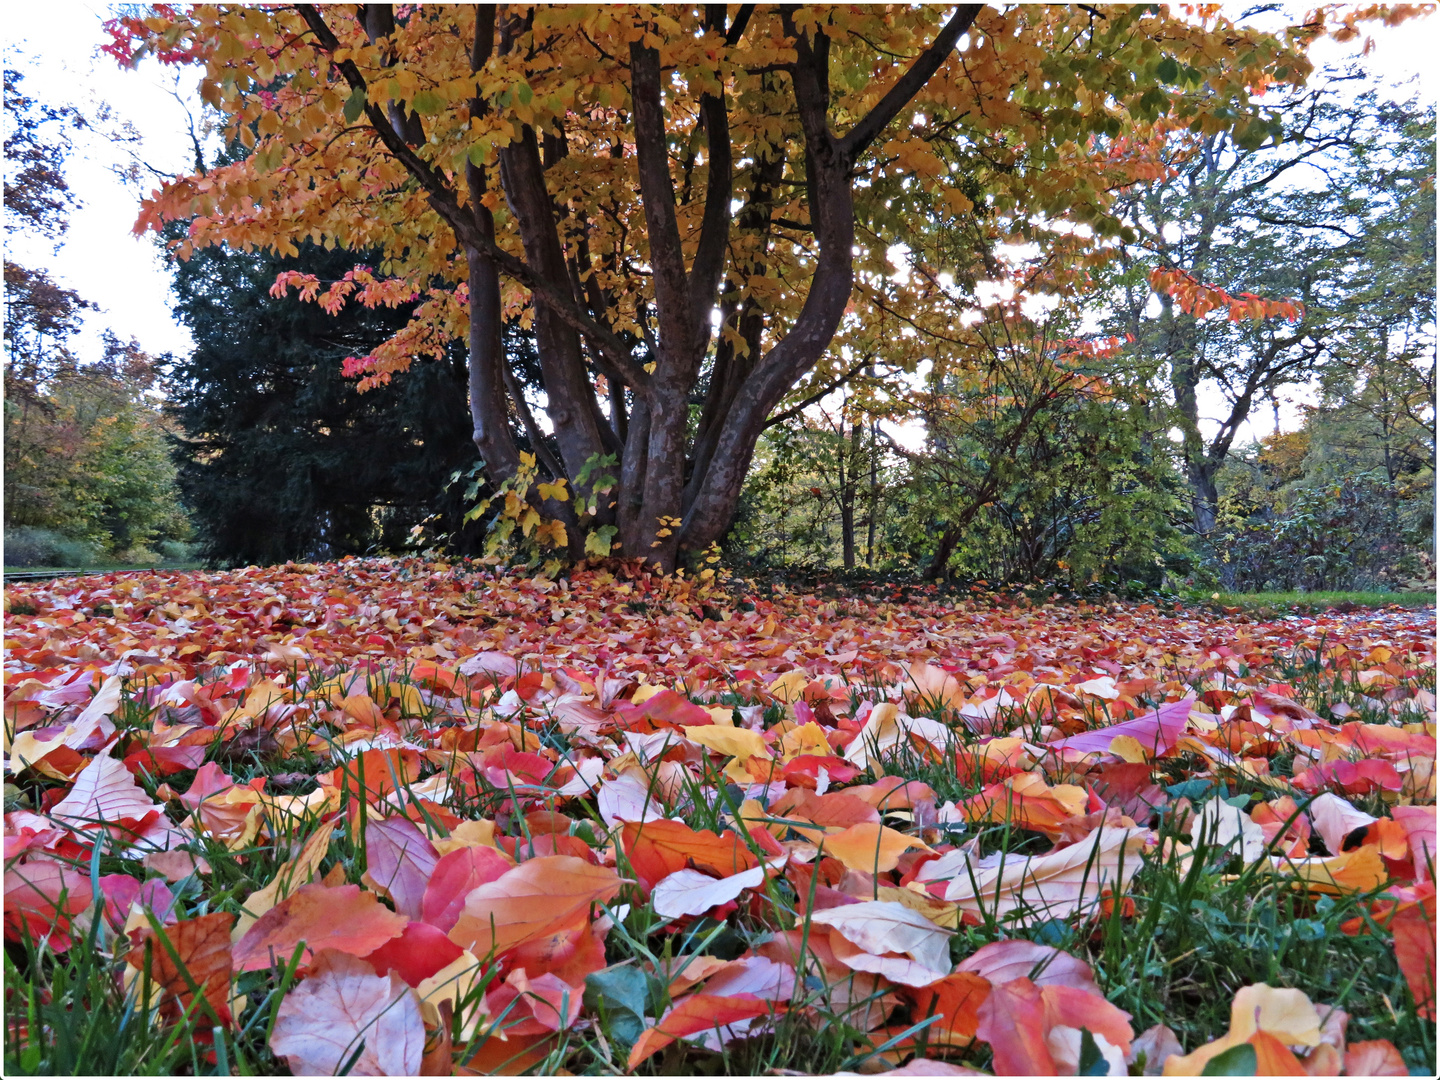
(390, 816)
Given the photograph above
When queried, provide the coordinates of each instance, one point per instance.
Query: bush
(29, 546)
(179, 551)
(1346, 533)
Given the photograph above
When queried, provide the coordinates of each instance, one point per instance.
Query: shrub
(30, 546)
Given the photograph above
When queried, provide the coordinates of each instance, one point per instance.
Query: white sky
(127, 277)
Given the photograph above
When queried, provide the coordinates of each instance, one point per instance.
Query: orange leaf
(344, 919)
(535, 898)
(957, 998)
(697, 1013)
(870, 847)
(202, 947)
(656, 849)
(1273, 1058)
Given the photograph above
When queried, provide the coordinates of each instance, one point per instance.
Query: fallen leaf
(870, 847)
(530, 900)
(1044, 965)
(292, 874)
(689, 892)
(1335, 819)
(343, 1008)
(400, 861)
(193, 957)
(1052, 886)
(342, 919)
(880, 926)
(1374, 1057)
(104, 791)
(456, 874)
(694, 1014)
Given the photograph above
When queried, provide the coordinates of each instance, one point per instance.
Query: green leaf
(598, 542)
(354, 106)
(1092, 1061)
(523, 93)
(618, 988)
(1167, 70)
(1237, 1061)
(479, 151)
(428, 103)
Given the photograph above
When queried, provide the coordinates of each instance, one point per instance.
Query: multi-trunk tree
(668, 195)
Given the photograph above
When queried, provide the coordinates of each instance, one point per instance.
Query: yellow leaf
(807, 739)
(733, 741)
(1355, 871)
(1286, 1015)
(789, 686)
(1128, 748)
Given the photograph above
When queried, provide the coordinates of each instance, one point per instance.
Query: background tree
(85, 457)
(657, 165)
(1243, 223)
(281, 458)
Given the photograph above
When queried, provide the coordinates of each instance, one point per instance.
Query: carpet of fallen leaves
(442, 819)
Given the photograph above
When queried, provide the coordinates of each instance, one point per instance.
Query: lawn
(1310, 602)
(389, 816)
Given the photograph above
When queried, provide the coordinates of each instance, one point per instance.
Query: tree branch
(899, 95)
(443, 198)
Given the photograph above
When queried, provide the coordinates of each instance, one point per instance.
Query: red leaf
(1012, 1022)
(43, 895)
(419, 952)
(1414, 930)
(455, 875)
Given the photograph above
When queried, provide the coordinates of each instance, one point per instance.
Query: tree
(1378, 382)
(280, 457)
(1270, 232)
(816, 492)
(85, 453)
(658, 165)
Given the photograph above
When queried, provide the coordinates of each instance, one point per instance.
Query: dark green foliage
(1086, 497)
(282, 457)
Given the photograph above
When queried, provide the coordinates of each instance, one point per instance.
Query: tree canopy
(680, 201)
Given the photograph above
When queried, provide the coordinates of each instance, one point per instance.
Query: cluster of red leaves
(428, 689)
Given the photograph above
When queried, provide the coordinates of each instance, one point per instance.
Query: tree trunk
(874, 497)
(664, 503)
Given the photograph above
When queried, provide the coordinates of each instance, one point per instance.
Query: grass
(104, 568)
(1312, 602)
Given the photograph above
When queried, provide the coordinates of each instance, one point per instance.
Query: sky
(127, 277)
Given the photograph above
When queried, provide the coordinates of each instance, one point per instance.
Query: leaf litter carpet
(439, 819)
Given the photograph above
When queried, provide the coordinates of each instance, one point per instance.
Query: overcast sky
(56, 45)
